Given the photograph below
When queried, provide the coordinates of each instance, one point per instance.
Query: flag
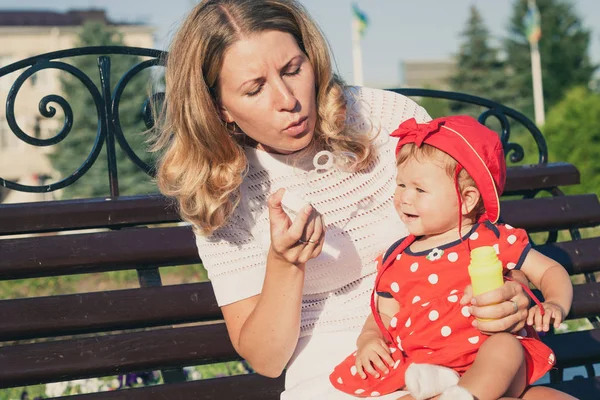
(361, 19)
(532, 23)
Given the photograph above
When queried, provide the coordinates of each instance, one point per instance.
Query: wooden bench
(157, 327)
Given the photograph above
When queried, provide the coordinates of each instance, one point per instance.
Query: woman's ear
(470, 199)
(223, 113)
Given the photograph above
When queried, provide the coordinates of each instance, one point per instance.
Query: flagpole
(357, 53)
(538, 92)
(536, 75)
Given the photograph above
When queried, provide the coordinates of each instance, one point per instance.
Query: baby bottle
(485, 270)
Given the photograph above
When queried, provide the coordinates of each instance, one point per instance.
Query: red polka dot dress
(431, 326)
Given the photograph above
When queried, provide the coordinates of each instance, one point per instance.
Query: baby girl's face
(425, 197)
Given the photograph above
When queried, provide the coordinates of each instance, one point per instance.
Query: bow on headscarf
(418, 132)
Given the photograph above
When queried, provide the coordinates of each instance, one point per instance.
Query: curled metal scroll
(512, 150)
(46, 107)
(108, 126)
(48, 112)
(146, 112)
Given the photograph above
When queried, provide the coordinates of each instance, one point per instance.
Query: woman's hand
(506, 307)
(298, 241)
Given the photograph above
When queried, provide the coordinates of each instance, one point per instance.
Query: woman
(251, 98)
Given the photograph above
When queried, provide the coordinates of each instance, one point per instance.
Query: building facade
(25, 34)
(432, 74)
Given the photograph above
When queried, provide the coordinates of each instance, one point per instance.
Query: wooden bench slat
(586, 300)
(580, 388)
(139, 247)
(109, 310)
(67, 215)
(96, 252)
(158, 306)
(567, 355)
(577, 256)
(241, 387)
(64, 215)
(29, 364)
(524, 179)
(552, 213)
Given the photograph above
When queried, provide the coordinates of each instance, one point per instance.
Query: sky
(399, 30)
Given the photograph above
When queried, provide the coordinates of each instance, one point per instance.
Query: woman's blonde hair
(201, 164)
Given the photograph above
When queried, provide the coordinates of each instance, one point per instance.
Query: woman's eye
(294, 72)
(255, 92)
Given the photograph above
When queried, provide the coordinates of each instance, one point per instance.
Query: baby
(450, 175)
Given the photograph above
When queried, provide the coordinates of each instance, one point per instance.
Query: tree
(563, 48)
(479, 71)
(573, 135)
(71, 153)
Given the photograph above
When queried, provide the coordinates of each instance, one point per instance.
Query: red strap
(386, 263)
(530, 293)
(459, 197)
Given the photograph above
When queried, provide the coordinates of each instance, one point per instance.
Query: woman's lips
(297, 128)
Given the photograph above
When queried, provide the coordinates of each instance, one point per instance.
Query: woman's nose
(285, 99)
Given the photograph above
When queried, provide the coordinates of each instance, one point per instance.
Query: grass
(113, 280)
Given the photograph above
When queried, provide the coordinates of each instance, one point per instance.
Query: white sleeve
(234, 260)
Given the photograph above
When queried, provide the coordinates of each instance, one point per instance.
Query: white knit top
(358, 212)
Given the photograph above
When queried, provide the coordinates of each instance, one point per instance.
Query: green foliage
(572, 133)
(563, 49)
(71, 153)
(479, 71)
(111, 280)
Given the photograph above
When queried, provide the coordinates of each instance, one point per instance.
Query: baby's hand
(373, 351)
(553, 314)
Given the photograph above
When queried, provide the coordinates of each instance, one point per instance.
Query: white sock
(427, 380)
(456, 393)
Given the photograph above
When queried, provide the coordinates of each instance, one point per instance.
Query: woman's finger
(319, 236)
(495, 311)
(309, 228)
(276, 213)
(519, 276)
(467, 295)
(531, 316)
(511, 323)
(316, 227)
(298, 225)
(507, 291)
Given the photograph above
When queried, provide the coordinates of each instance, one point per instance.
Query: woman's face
(267, 87)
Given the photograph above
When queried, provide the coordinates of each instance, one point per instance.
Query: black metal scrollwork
(107, 108)
(110, 130)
